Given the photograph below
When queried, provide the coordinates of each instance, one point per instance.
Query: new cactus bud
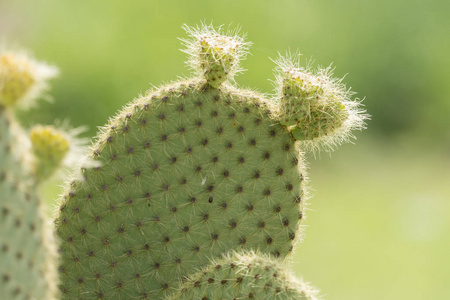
(214, 54)
(49, 147)
(244, 276)
(22, 79)
(315, 106)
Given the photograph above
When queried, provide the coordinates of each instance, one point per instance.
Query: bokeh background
(378, 226)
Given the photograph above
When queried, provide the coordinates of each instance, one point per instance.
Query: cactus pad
(244, 276)
(187, 173)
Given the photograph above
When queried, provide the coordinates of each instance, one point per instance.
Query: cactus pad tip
(214, 53)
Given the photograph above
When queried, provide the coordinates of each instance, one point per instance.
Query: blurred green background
(378, 226)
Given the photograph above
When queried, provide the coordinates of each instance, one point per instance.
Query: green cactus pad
(27, 268)
(27, 251)
(187, 173)
(244, 276)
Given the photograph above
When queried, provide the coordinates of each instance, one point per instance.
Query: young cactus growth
(22, 79)
(27, 262)
(244, 276)
(315, 106)
(214, 55)
(49, 147)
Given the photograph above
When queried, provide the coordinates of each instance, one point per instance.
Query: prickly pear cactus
(189, 172)
(27, 266)
(244, 276)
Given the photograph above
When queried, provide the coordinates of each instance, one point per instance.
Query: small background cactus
(27, 253)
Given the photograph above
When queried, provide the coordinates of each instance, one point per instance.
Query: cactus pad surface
(187, 172)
